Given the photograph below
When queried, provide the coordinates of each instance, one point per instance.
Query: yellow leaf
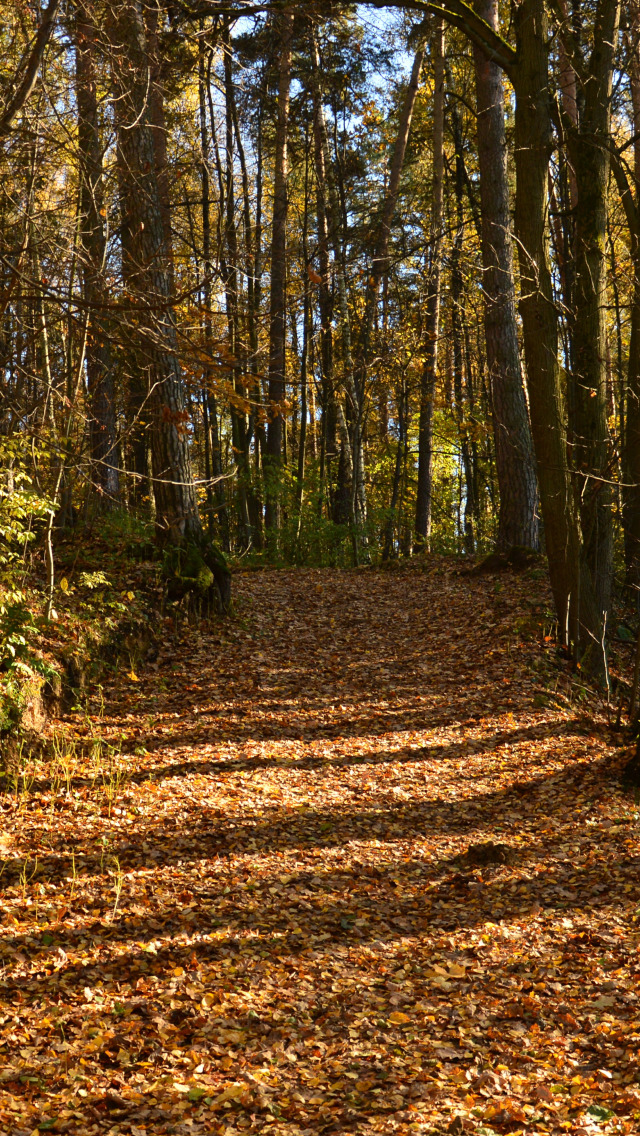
(64, 584)
(398, 1018)
(456, 971)
(130, 596)
(208, 1001)
(232, 1093)
(133, 676)
(178, 971)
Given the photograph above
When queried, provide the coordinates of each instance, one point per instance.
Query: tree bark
(515, 463)
(99, 362)
(216, 496)
(429, 368)
(457, 303)
(354, 459)
(149, 280)
(579, 623)
(631, 448)
(277, 301)
(591, 451)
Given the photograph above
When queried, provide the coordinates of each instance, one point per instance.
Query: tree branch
(30, 65)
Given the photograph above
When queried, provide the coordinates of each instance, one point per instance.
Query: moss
(198, 570)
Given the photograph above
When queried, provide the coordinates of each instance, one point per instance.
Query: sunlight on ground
(352, 862)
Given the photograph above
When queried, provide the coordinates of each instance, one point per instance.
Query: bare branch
(29, 65)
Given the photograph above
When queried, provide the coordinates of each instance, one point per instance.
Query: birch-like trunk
(432, 318)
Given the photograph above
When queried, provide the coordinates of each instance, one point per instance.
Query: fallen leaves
(361, 882)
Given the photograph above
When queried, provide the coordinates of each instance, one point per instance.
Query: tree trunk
(99, 362)
(216, 496)
(578, 620)
(457, 303)
(277, 302)
(328, 444)
(591, 451)
(631, 448)
(432, 319)
(355, 459)
(149, 281)
(380, 259)
(515, 463)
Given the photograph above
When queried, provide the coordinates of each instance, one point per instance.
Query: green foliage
(21, 507)
(93, 580)
(20, 663)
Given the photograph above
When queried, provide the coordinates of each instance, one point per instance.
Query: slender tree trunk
(277, 302)
(355, 459)
(401, 450)
(322, 277)
(432, 319)
(245, 326)
(457, 302)
(515, 463)
(380, 259)
(216, 496)
(306, 341)
(99, 362)
(152, 14)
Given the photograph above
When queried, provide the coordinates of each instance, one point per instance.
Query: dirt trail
(359, 866)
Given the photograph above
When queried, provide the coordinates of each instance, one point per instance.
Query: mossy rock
(198, 570)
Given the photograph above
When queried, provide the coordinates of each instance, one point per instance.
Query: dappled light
(364, 866)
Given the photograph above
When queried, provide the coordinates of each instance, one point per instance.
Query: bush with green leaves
(22, 509)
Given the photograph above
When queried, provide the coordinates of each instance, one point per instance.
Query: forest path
(359, 868)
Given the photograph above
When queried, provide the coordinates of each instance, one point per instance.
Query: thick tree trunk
(93, 239)
(432, 318)
(515, 463)
(631, 450)
(579, 623)
(149, 281)
(277, 301)
(591, 451)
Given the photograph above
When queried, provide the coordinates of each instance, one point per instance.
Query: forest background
(259, 300)
(350, 293)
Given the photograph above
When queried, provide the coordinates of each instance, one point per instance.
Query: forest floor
(354, 861)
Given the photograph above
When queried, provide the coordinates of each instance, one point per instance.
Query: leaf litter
(354, 861)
